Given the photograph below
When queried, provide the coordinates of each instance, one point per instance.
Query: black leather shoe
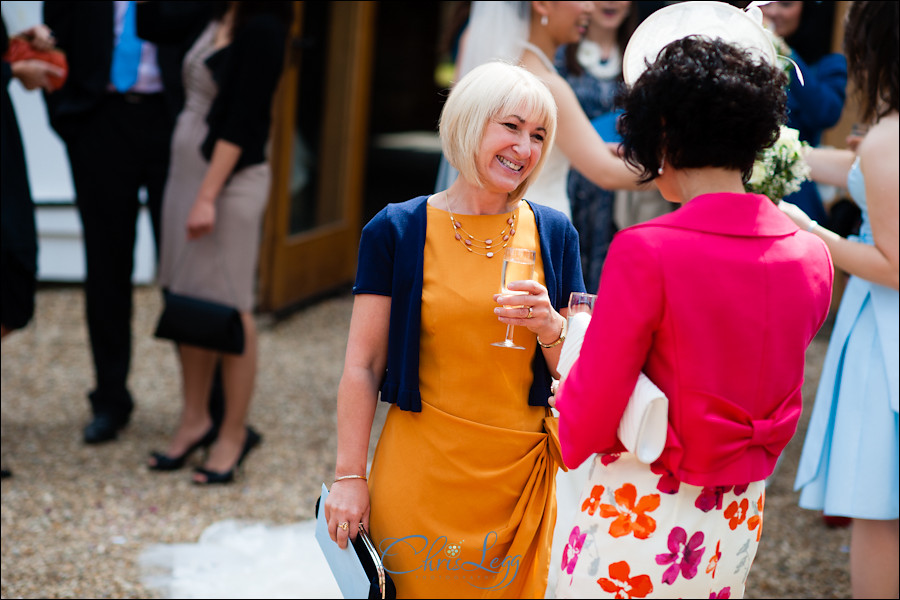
(210, 477)
(103, 428)
(163, 462)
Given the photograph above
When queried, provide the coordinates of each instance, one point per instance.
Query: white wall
(60, 250)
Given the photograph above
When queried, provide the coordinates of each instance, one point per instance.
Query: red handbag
(20, 49)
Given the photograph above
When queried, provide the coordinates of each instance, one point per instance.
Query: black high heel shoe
(217, 477)
(165, 462)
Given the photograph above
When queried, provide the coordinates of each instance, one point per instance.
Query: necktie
(127, 53)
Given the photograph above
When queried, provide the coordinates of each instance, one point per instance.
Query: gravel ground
(75, 518)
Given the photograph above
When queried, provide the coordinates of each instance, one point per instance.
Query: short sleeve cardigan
(391, 262)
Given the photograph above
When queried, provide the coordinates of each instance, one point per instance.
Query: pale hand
(554, 390)
(201, 219)
(34, 73)
(544, 321)
(800, 218)
(39, 36)
(347, 502)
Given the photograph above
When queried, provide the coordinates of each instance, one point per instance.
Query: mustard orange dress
(463, 492)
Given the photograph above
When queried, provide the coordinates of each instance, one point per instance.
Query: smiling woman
(466, 416)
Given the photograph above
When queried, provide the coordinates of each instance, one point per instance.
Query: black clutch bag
(202, 323)
(380, 584)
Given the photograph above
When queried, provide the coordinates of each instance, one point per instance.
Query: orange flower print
(631, 517)
(623, 585)
(590, 504)
(736, 514)
(714, 560)
(757, 519)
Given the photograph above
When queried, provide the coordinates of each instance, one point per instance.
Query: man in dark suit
(117, 138)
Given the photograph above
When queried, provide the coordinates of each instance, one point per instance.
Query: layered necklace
(488, 246)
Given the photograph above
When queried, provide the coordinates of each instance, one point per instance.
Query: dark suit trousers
(116, 149)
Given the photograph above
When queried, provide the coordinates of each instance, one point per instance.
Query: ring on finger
(344, 525)
(530, 312)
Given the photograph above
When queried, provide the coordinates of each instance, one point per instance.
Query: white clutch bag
(644, 424)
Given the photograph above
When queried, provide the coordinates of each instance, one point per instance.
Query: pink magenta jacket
(716, 303)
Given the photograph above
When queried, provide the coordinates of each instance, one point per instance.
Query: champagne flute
(581, 307)
(518, 265)
(581, 302)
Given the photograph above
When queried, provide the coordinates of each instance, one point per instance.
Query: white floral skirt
(641, 533)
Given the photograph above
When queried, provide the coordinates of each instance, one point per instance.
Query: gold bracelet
(560, 340)
(343, 477)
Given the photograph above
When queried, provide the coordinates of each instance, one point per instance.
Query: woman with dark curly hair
(716, 303)
(849, 465)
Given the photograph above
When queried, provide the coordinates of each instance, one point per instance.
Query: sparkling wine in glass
(518, 265)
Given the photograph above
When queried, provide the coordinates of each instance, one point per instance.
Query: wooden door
(319, 140)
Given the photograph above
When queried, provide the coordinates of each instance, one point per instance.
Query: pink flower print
(631, 515)
(608, 459)
(725, 592)
(711, 497)
(737, 513)
(740, 489)
(591, 503)
(623, 584)
(572, 550)
(688, 553)
(668, 483)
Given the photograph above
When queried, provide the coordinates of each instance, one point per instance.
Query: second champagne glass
(518, 265)
(581, 302)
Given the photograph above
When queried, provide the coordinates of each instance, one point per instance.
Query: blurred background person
(849, 465)
(19, 237)
(115, 116)
(593, 67)
(815, 105)
(215, 197)
(553, 24)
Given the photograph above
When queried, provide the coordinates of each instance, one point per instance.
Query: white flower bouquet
(780, 169)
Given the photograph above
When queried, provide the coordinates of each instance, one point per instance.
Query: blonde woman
(461, 495)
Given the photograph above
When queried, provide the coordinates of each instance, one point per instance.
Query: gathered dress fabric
(849, 464)
(727, 348)
(463, 492)
(220, 266)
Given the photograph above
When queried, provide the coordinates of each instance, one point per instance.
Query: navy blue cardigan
(391, 262)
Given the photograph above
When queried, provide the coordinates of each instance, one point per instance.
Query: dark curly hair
(702, 103)
(871, 45)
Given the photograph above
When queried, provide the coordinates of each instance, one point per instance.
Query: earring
(659, 171)
(544, 20)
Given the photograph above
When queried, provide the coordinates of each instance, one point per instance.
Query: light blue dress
(849, 465)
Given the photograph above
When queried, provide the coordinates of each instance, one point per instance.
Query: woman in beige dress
(215, 198)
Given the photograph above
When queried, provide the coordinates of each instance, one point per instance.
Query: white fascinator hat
(707, 19)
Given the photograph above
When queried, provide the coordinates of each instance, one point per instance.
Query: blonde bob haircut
(493, 89)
